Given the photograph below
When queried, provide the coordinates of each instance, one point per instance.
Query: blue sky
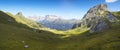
(65, 8)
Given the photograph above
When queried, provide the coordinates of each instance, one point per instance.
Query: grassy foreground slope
(83, 40)
(14, 36)
(106, 40)
(11, 38)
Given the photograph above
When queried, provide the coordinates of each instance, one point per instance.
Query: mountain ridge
(97, 18)
(55, 22)
(15, 35)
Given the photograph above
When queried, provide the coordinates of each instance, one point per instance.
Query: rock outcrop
(97, 19)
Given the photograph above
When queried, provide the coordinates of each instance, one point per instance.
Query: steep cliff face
(97, 19)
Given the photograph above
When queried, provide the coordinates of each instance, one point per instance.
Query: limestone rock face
(111, 18)
(96, 11)
(19, 14)
(97, 19)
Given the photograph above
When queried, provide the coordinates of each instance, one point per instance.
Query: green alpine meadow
(98, 29)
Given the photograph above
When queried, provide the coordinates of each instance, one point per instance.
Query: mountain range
(98, 30)
(55, 22)
(97, 18)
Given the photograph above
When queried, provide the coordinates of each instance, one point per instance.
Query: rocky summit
(97, 18)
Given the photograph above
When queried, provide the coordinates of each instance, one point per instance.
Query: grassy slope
(11, 38)
(12, 35)
(23, 20)
(83, 40)
(106, 40)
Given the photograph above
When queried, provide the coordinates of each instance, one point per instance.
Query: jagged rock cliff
(97, 18)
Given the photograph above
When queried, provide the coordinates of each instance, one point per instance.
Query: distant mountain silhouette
(55, 22)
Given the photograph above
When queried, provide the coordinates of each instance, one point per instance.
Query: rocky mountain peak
(96, 11)
(102, 7)
(52, 17)
(19, 13)
(97, 18)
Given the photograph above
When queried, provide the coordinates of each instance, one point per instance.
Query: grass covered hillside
(21, 19)
(81, 39)
(17, 36)
(105, 40)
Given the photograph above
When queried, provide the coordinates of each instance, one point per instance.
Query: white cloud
(110, 1)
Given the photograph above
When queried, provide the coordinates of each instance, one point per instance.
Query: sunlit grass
(12, 37)
(67, 33)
